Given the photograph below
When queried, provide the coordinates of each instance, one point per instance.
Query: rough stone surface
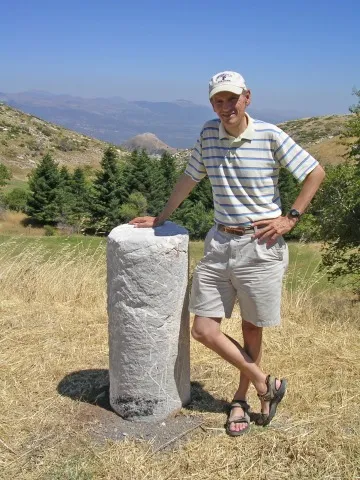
(148, 321)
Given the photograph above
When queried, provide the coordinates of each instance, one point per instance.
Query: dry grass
(53, 322)
(321, 136)
(11, 223)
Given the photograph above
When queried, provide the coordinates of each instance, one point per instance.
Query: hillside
(24, 139)
(320, 136)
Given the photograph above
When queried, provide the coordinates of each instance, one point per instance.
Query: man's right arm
(180, 191)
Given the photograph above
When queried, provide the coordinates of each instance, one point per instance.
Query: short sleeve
(294, 158)
(195, 167)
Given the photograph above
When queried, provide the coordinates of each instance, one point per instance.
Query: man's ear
(212, 104)
(248, 97)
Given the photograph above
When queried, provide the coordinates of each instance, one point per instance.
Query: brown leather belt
(236, 230)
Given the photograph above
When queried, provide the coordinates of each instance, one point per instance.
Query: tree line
(95, 202)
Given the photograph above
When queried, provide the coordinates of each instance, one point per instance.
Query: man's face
(230, 107)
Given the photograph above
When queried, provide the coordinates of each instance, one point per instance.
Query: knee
(198, 333)
(203, 333)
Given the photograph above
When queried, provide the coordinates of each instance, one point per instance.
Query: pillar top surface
(153, 235)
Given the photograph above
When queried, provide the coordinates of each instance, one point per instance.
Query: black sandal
(274, 396)
(241, 419)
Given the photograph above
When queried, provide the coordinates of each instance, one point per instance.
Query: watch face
(294, 213)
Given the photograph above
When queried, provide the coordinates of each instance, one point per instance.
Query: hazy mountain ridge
(24, 139)
(116, 120)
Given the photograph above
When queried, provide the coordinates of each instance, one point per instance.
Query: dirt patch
(107, 425)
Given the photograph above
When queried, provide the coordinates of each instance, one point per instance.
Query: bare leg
(252, 345)
(207, 331)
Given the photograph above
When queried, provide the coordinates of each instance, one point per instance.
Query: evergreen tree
(79, 190)
(289, 189)
(202, 193)
(75, 196)
(44, 184)
(108, 193)
(64, 198)
(163, 178)
(169, 171)
(137, 173)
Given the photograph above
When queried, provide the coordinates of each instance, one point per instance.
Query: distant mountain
(149, 142)
(24, 139)
(116, 120)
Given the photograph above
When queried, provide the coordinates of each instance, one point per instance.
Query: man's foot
(238, 421)
(275, 391)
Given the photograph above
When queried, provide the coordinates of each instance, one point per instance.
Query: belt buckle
(236, 230)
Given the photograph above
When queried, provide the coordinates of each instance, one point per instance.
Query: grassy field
(53, 322)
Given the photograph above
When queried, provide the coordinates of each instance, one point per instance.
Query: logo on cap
(223, 77)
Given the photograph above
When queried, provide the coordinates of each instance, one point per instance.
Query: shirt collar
(248, 133)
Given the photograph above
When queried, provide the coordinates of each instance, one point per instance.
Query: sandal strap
(240, 403)
(261, 418)
(271, 389)
(244, 419)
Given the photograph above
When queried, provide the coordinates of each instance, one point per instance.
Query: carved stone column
(148, 321)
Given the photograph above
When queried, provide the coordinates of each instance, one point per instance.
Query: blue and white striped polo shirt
(244, 171)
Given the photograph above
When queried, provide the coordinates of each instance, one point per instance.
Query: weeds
(53, 322)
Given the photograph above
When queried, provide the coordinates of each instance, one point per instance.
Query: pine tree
(64, 198)
(108, 193)
(44, 184)
(79, 189)
(137, 173)
(77, 199)
(202, 193)
(163, 178)
(289, 189)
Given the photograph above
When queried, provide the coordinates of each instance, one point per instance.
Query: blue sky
(295, 56)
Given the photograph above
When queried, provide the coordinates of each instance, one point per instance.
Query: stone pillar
(148, 321)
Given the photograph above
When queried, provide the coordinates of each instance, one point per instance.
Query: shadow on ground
(92, 386)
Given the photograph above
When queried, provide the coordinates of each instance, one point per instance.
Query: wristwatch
(294, 214)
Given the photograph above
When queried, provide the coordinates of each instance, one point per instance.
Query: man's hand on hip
(270, 230)
(145, 222)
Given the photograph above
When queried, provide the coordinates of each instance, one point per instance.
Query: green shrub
(16, 199)
(49, 231)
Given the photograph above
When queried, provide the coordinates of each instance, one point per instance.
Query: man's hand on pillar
(145, 222)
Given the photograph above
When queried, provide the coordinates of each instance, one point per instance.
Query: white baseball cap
(227, 82)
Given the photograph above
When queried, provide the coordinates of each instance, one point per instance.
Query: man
(245, 254)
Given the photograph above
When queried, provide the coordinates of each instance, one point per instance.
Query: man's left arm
(274, 228)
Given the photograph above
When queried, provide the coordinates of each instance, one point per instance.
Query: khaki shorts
(239, 267)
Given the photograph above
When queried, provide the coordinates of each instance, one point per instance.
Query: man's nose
(227, 106)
